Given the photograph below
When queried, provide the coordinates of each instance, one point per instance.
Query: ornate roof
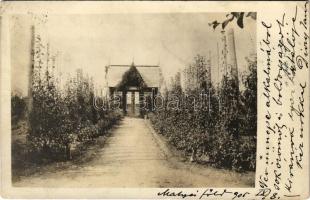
(151, 74)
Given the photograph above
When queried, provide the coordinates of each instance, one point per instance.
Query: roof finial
(133, 61)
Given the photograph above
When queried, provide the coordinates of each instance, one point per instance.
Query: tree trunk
(193, 156)
(68, 152)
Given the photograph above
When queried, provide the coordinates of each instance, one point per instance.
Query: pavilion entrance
(133, 106)
(135, 102)
(135, 91)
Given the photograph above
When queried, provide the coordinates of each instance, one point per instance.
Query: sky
(91, 42)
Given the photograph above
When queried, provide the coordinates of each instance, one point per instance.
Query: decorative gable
(131, 78)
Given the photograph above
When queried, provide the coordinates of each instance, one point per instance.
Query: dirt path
(131, 157)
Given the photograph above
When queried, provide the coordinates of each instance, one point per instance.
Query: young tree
(18, 108)
(229, 103)
(249, 99)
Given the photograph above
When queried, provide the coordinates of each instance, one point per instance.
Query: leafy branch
(238, 16)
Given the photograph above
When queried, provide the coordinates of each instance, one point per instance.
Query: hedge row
(224, 132)
(186, 133)
(62, 115)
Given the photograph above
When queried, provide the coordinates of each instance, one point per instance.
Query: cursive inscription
(285, 47)
(204, 194)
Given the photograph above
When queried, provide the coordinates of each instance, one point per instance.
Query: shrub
(89, 132)
(59, 117)
(219, 131)
(109, 120)
(18, 108)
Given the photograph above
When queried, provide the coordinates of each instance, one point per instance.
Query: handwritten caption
(286, 55)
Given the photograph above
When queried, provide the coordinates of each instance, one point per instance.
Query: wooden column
(133, 103)
(154, 93)
(141, 102)
(124, 101)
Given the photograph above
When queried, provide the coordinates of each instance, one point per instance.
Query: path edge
(159, 141)
(169, 151)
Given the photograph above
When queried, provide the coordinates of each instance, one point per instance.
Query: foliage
(229, 105)
(58, 117)
(229, 152)
(248, 100)
(18, 108)
(88, 132)
(108, 121)
(49, 127)
(214, 129)
(132, 77)
(239, 16)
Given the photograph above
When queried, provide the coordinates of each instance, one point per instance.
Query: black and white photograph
(134, 100)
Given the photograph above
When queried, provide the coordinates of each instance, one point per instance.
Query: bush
(59, 117)
(232, 153)
(246, 157)
(110, 119)
(218, 132)
(18, 108)
(223, 148)
(89, 132)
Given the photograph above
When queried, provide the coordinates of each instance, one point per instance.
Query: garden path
(131, 157)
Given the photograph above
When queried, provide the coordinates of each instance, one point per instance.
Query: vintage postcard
(157, 100)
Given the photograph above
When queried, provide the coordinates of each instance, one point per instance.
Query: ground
(132, 156)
